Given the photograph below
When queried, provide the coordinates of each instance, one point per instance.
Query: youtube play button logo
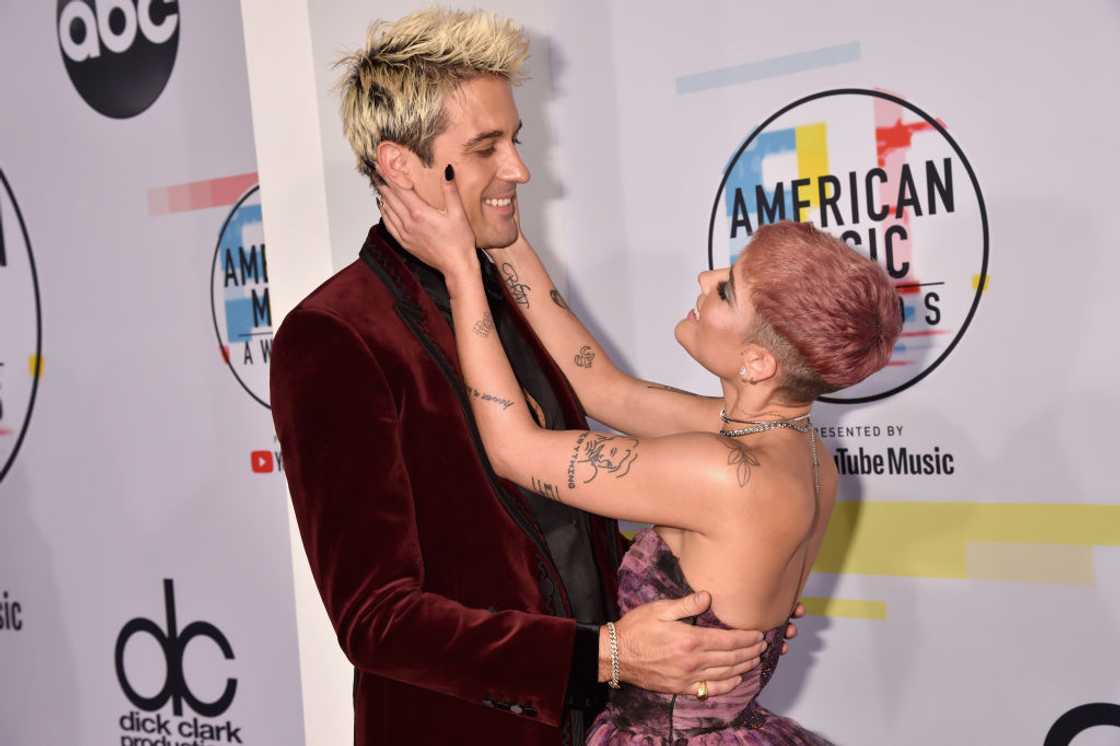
(262, 462)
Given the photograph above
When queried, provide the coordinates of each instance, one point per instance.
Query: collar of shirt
(431, 279)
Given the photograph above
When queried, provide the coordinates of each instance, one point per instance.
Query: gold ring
(702, 690)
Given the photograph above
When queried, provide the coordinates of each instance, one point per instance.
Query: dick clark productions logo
(21, 344)
(119, 54)
(889, 179)
(172, 643)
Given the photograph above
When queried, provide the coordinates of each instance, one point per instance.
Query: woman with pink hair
(739, 488)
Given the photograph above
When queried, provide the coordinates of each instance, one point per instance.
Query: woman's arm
(608, 394)
(672, 480)
(637, 478)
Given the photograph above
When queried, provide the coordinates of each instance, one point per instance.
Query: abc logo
(173, 643)
(119, 53)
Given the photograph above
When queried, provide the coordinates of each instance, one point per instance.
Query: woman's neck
(754, 403)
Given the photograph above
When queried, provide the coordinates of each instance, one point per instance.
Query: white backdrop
(976, 606)
(147, 481)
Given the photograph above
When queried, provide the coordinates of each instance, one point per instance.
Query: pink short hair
(828, 314)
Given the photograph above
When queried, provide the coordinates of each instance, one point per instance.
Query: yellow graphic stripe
(812, 157)
(844, 607)
(976, 282)
(35, 366)
(1031, 563)
(933, 539)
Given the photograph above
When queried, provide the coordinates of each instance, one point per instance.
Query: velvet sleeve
(336, 419)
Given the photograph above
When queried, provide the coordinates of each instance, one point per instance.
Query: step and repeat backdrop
(145, 572)
(968, 589)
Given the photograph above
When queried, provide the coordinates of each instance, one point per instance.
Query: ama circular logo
(239, 300)
(119, 53)
(889, 179)
(22, 339)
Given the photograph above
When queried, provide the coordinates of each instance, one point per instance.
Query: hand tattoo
(612, 454)
(585, 357)
(485, 325)
(741, 458)
(545, 489)
(518, 289)
(503, 403)
(559, 299)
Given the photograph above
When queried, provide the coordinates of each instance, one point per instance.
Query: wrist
(463, 277)
(514, 253)
(608, 638)
(604, 655)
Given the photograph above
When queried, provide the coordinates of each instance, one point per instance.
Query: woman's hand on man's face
(440, 238)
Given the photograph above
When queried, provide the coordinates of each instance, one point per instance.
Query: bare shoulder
(723, 463)
(766, 478)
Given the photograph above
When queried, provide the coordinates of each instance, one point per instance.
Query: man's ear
(395, 163)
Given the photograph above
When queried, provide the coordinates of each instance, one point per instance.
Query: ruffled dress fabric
(636, 717)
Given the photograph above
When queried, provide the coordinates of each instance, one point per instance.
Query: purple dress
(649, 572)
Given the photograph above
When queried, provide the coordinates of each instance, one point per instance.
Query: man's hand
(661, 654)
(791, 630)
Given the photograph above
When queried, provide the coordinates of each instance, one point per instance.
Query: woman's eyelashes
(721, 289)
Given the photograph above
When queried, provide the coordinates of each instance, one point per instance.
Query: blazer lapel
(424, 320)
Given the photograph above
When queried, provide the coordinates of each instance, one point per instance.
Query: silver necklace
(801, 424)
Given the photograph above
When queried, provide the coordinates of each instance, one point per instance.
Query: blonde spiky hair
(393, 89)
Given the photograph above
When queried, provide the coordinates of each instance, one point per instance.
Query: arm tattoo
(572, 461)
(613, 454)
(741, 458)
(518, 289)
(503, 403)
(485, 325)
(545, 489)
(559, 299)
(585, 357)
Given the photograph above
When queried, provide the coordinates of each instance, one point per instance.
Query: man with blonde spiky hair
(471, 608)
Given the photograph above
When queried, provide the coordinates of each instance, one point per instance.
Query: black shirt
(566, 529)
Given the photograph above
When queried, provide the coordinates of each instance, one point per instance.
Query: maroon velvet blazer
(433, 571)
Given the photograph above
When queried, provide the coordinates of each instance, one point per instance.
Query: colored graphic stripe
(35, 366)
(770, 68)
(844, 607)
(5, 431)
(1062, 564)
(812, 157)
(933, 539)
(976, 282)
(199, 195)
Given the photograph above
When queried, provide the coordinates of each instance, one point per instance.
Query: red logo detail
(262, 462)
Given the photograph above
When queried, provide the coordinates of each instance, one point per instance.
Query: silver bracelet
(616, 669)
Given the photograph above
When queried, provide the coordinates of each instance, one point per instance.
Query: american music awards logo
(889, 179)
(151, 684)
(21, 343)
(239, 298)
